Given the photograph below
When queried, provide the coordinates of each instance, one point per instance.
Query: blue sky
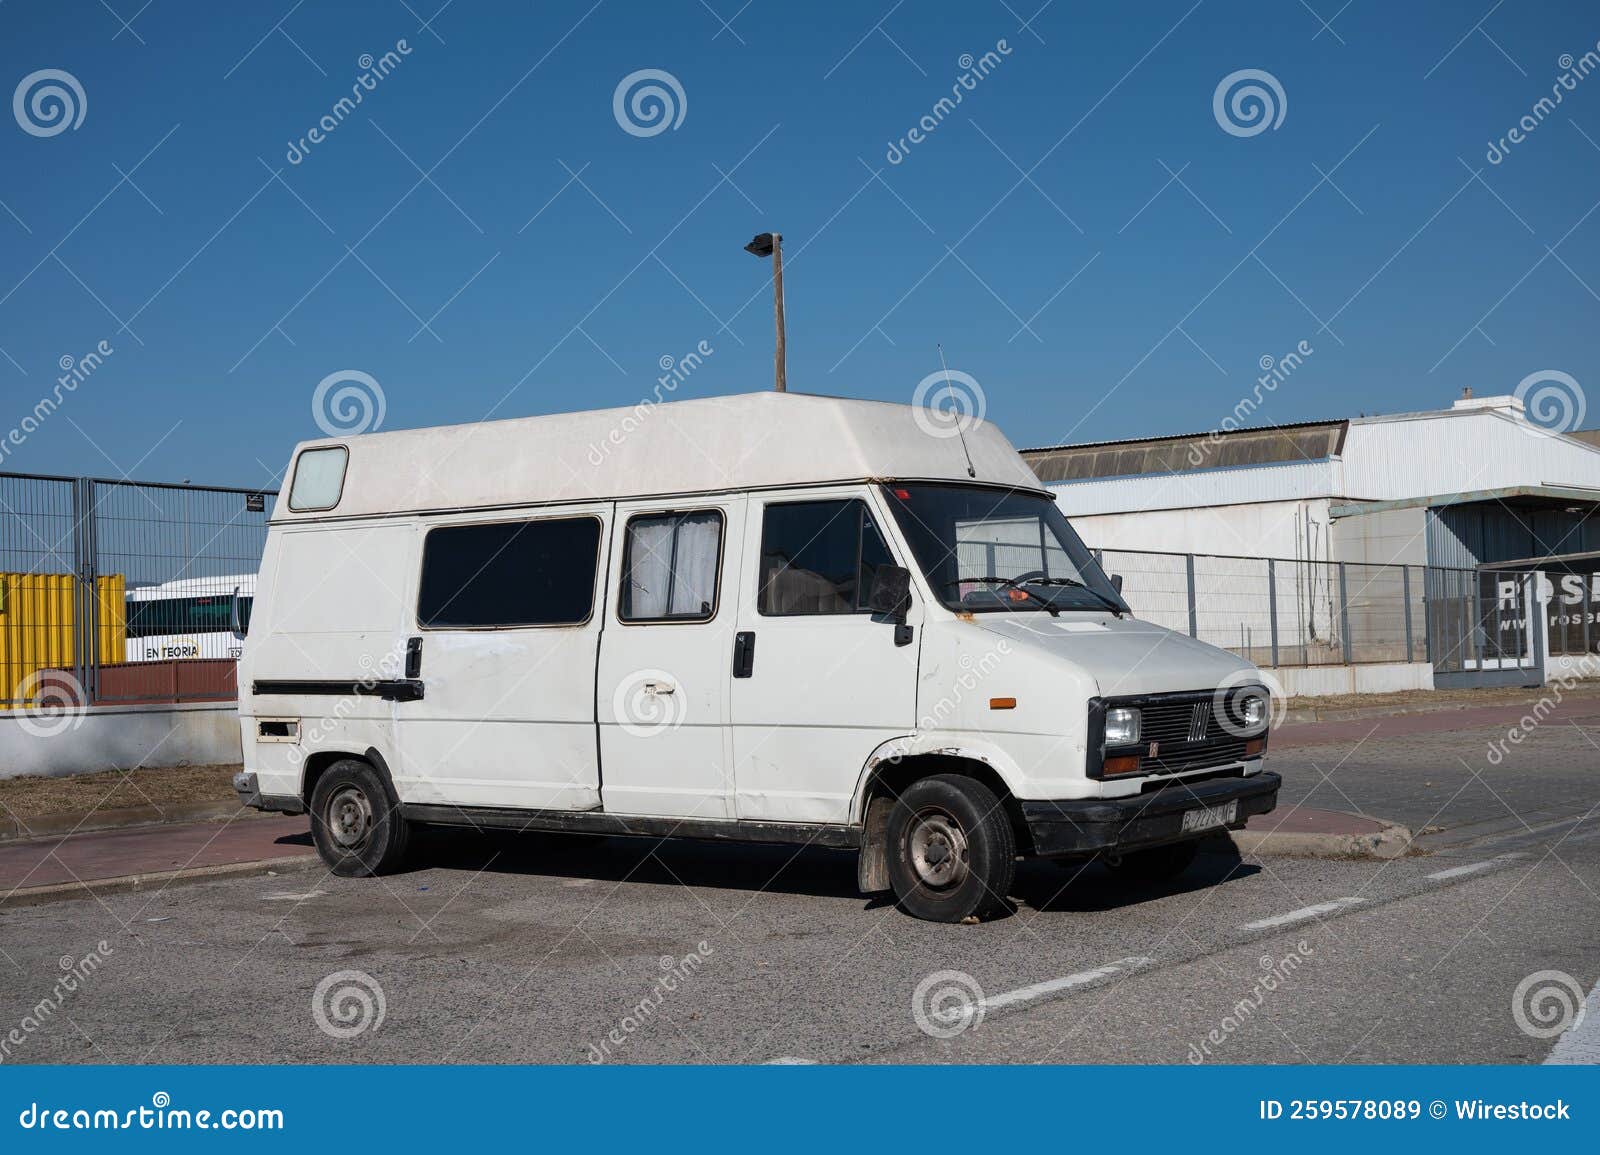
(1080, 233)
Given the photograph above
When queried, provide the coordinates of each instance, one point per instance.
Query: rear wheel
(952, 853)
(1157, 864)
(357, 832)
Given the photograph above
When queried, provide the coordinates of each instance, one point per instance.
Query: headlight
(1122, 726)
(1253, 711)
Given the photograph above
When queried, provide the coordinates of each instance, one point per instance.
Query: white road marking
(1300, 915)
(1051, 986)
(789, 1061)
(286, 896)
(1472, 867)
(1580, 1043)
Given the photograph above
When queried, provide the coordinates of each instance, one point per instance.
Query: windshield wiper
(1014, 584)
(1076, 584)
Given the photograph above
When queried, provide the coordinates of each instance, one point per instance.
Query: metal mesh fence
(1282, 612)
(117, 591)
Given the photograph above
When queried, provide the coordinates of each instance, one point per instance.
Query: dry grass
(116, 790)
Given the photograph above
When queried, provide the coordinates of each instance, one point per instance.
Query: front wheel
(1157, 864)
(952, 853)
(357, 832)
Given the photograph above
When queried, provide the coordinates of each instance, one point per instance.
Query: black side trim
(599, 822)
(392, 690)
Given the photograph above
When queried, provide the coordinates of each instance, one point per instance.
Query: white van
(771, 618)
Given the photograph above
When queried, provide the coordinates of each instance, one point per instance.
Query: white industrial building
(1461, 494)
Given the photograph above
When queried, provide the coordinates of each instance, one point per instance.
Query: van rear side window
(511, 573)
(318, 478)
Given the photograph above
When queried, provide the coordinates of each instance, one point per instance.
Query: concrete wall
(1260, 529)
(1378, 678)
(118, 738)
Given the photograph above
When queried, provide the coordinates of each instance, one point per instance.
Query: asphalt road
(551, 949)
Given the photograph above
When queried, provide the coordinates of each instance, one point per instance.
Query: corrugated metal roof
(1264, 445)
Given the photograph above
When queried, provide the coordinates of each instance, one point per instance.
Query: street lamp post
(771, 245)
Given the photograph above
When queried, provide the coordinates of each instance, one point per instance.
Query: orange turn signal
(1254, 747)
(1002, 703)
(1122, 764)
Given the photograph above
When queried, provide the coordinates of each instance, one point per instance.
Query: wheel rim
(938, 849)
(349, 817)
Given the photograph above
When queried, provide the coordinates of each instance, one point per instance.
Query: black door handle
(414, 658)
(744, 653)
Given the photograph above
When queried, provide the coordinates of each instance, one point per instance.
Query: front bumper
(1088, 825)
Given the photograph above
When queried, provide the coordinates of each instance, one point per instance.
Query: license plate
(1209, 816)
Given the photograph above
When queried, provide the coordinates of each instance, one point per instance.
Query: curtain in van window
(672, 566)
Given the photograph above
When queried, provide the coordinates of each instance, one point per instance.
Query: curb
(1392, 841)
(77, 822)
(96, 887)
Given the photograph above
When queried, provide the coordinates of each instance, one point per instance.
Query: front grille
(1180, 721)
(1186, 732)
(1199, 756)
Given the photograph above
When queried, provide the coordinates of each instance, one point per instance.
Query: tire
(357, 831)
(952, 853)
(1158, 864)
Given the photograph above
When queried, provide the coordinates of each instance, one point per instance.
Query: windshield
(987, 550)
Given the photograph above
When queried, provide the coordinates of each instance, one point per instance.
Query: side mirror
(1116, 583)
(891, 591)
(235, 618)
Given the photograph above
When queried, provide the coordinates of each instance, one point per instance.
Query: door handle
(414, 658)
(744, 653)
(659, 688)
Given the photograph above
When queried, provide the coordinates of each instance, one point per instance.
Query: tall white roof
(747, 441)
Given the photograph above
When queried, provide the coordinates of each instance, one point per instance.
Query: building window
(516, 573)
(669, 567)
(318, 479)
(819, 557)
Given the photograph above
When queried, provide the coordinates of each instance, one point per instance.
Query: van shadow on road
(814, 872)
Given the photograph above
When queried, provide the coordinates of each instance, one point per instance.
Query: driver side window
(819, 557)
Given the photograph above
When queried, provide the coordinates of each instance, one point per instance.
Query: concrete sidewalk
(147, 855)
(1583, 711)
